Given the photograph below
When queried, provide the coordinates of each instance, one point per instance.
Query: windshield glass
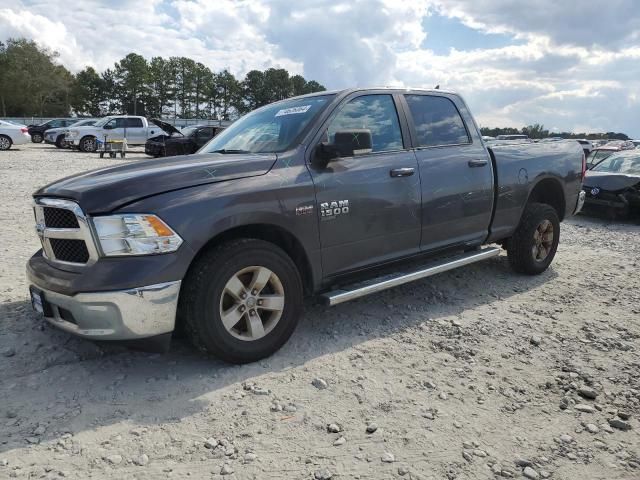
(269, 129)
(83, 122)
(186, 131)
(102, 122)
(620, 163)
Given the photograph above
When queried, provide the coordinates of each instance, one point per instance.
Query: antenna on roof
(437, 87)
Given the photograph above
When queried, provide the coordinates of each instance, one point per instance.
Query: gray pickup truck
(335, 195)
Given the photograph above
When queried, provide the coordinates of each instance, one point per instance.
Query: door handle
(477, 163)
(402, 172)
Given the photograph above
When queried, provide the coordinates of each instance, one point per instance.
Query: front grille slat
(64, 232)
(69, 250)
(60, 218)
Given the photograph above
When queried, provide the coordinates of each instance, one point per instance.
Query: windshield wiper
(230, 150)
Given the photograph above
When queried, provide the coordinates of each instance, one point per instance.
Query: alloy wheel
(5, 143)
(252, 303)
(543, 240)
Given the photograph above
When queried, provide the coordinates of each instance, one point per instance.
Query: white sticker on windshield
(292, 110)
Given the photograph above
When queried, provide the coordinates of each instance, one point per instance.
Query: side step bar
(382, 283)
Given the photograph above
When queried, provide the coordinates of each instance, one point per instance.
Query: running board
(388, 281)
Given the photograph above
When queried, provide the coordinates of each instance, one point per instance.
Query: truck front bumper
(132, 314)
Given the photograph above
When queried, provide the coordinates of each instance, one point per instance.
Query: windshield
(186, 131)
(269, 129)
(102, 122)
(620, 163)
(83, 122)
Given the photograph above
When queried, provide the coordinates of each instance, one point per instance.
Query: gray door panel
(383, 217)
(368, 205)
(457, 198)
(455, 169)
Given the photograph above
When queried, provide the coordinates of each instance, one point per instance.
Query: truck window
(205, 133)
(437, 121)
(374, 112)
(134, 122)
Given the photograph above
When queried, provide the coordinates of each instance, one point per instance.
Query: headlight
(135, 234)
(72, 133)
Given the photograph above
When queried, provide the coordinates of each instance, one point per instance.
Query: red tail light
(24, 130)
(584, 166)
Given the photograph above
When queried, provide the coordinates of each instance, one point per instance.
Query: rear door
(368, 205)
(136, 132)
(455, 169)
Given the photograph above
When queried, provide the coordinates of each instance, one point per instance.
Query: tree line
(538, 131)
(33, 83)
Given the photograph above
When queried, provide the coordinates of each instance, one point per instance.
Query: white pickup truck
(136, 130)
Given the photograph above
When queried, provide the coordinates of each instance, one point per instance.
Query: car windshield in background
(186, 131)
(621, 163)
(270, 129)
(102, 122)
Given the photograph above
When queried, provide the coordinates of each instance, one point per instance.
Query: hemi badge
(304, 210)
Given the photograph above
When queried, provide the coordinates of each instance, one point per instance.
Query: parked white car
(136, 130)
(56, 136)
(13, 134)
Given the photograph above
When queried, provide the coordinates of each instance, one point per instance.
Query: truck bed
(518, 166)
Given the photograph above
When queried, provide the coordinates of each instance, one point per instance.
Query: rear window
(134, 123)
(437, 121)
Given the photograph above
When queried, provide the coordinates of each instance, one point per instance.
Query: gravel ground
(474, 374)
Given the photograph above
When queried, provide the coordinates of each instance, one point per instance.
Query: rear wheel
(532, 247)
(5, 142)
(241, 301)
(36, 137)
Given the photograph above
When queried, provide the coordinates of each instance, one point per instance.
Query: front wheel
(88, 145)
(5, 142)
(60, 141)
(533, 245)
(241, 301)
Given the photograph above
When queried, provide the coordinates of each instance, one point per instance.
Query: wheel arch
(548, 190)
(275, 234)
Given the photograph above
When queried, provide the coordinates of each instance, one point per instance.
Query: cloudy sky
(569, 64)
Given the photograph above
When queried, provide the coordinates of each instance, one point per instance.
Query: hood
(610, 181)
(103, 190)
(167, 127)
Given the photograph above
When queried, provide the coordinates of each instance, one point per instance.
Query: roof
(346, 91)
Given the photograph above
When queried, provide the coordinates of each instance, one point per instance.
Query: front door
(368, 205)
(455, 169)
(114, 129)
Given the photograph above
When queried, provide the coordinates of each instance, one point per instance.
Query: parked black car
(37, 131)
(614, 183)
(179, 142)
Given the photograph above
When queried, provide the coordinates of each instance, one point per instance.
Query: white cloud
(573, 65)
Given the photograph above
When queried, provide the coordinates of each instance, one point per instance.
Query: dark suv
(37, 131)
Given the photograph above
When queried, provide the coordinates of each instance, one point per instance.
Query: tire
(37, 137)
(60, 141)
(5, 142)
(206, 297)
(88, 144)
(533, 245)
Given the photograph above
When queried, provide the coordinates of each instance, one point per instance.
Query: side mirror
(346, 143)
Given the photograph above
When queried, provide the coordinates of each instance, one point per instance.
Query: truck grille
(59, 218)
(74, 251)
(64, 232)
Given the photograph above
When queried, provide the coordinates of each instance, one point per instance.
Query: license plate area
(39, 302)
